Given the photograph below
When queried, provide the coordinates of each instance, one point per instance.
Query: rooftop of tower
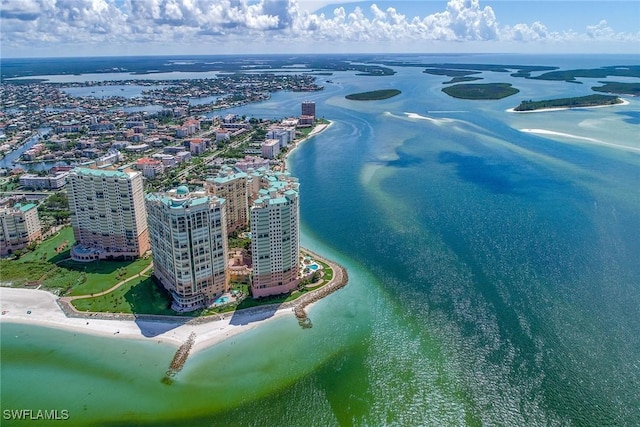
(104, 172)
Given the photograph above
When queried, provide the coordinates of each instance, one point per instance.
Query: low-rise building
(183, 156)
(137, 148)
(197, 146)
(285, 135)
(48, 182)
(150, 168)
(167, 159)
(222, 135)
(252, 162)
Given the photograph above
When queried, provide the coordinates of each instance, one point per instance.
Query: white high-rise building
(188, 232)
(275, 235)
(108, 214)
(231, 184)
(19, 226)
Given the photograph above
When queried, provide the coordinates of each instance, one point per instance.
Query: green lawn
(54, 270)
(46, 251)
(140, 296)
(101, 275)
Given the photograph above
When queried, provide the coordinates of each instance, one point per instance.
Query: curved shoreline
(42, 308)
(316, 131)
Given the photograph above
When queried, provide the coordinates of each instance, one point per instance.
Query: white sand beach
(318, 129)
(37, 307)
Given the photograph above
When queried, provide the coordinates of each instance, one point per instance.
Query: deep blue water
(494, 273)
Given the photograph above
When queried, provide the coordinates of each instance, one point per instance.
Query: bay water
(494, 276)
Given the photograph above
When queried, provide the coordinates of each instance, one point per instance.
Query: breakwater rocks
(339, 280)
(179, 359)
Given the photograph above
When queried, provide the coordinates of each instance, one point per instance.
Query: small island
(632, 89)
(576, 102)
(374, 95)
(481, 91)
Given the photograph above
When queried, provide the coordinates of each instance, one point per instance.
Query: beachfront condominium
(275, 237)
(108, 214)
(231, 184)
(308, 109)
(19, 226)
(188, 233)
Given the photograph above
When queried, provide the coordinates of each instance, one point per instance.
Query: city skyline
(38, 28)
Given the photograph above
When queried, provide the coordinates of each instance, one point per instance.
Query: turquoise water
(494, 277)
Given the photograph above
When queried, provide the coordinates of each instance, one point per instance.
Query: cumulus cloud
(269, 21)
(524, 32)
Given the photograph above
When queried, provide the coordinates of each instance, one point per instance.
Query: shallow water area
(493, 276)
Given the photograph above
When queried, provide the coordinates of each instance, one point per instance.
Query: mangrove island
(374, 95)
(481, 91)
(576, 102)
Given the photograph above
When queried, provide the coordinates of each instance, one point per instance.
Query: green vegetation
(461, 79)
(52, 250)
(620, 88)
(597, 73)
(481, 91)
(55, 206)
(37, 273)
(373, 95)
(459, 70)
(236, 241)
(48, 265)
(102, 275)
(9, 183)
(141, 295)
(449, 72)
(582, 101)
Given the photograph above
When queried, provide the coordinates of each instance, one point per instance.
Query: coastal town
(202, 200)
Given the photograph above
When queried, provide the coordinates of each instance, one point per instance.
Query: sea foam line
(582, 138)
(416, 116)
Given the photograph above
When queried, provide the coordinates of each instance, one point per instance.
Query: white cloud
(261, 22)
(600, 31)
(524, 32)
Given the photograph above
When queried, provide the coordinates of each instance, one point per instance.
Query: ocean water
(494, 276)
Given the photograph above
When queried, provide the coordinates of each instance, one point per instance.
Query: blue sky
(133, 27)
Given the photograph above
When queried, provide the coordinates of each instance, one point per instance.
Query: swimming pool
(222, 300)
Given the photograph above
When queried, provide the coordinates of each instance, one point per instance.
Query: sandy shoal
(38, 307)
